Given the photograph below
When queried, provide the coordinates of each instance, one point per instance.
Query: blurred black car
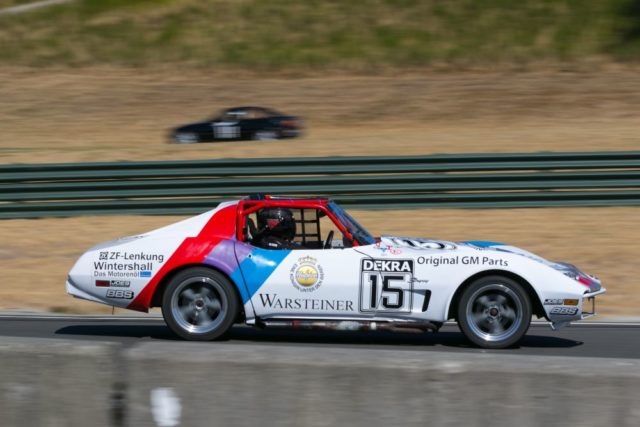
(240, 123)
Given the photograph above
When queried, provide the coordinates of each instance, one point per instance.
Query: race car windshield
(359, 233)
(232, 116)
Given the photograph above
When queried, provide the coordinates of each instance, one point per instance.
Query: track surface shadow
(119, 331)
(449, 337)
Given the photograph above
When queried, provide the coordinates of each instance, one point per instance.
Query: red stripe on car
(193, 250)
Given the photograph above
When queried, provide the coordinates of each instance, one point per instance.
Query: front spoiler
(590, 298)
(75, 291)
(586, 299)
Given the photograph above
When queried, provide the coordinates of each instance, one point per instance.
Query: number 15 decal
(386, 285)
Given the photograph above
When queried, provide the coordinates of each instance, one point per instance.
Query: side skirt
(349, 325)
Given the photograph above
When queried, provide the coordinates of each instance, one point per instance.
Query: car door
(307, 281)
(226, 129)
(302, 283)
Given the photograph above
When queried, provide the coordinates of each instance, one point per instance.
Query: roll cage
(256, 203)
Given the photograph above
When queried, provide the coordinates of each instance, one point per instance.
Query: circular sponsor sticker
(306, 275)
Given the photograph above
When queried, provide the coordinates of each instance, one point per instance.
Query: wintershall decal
(117, 266)
(122, 270)
(309, 304)
(306, 275)
(124, 264)
(435, 261)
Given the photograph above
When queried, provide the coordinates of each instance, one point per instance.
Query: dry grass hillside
(96, 114)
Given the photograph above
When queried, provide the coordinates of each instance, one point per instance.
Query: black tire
(200, 304)
(494, 312)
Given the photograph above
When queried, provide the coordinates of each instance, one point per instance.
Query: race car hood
(503, 247)
(189, 127)
(419, 243)
(570, 270)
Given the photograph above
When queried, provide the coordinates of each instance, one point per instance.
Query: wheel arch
(158, 293)
(536, 304)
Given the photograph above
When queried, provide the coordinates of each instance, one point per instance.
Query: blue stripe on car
(256, 269)
(483, 244)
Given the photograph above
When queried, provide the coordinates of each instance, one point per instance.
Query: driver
(276, 229)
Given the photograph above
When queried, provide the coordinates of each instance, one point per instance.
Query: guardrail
(449, 181)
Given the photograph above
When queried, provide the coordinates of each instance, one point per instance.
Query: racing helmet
(277, 222)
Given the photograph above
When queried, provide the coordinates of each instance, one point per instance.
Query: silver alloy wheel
(265, 135)
(494, 312)
(199, 305)
(186, 138)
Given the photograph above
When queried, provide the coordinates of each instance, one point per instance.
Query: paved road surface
(616, 340)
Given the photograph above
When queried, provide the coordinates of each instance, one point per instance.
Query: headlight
(573, 272)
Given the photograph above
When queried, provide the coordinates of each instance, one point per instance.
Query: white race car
(284, 262)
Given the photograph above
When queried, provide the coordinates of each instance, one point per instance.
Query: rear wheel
(200, 304)
(494, 312)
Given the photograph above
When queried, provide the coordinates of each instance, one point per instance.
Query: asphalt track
(585, 339)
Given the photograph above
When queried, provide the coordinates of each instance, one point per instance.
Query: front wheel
(200, 304)
(265, 135)
(186, 138)
(494, 312)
